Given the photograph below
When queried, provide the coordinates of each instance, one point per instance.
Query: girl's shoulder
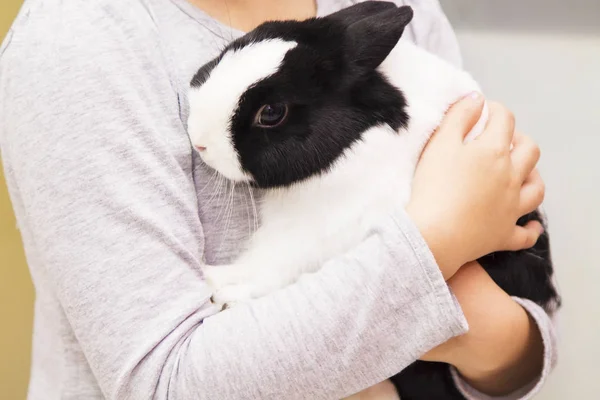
(58, 29)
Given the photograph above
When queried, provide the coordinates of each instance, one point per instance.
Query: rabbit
(328, 117)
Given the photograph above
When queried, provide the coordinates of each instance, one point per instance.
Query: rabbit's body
(330, 213)
(329, 116)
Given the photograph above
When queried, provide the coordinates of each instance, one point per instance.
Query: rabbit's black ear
(371, 39)
(360, 11)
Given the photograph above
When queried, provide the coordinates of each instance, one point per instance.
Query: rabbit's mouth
(224, 161)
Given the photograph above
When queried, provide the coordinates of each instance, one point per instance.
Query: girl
(118, 215)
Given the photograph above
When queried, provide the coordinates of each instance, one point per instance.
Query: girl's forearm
(520, 354)
(503, 349)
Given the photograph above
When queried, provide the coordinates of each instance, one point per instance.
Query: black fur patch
(423, 380)
(328, 111)
(332, 101)
(527, 273)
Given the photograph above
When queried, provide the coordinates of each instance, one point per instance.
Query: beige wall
(16, 290)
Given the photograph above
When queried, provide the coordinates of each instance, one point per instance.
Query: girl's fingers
(525, 155)
(525, 237)
(461, 117)
(532, 193)
(500, 126)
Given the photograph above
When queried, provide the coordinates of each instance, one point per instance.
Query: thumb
(462, 117)
(525, 237)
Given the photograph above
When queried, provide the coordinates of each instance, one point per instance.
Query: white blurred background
(542, 59)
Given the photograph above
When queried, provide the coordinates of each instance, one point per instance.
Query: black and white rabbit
(329, 117)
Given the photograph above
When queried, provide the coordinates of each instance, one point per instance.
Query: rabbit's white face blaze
(215, 101)
(285, 102)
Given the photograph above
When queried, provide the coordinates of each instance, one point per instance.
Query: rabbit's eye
(271, 115)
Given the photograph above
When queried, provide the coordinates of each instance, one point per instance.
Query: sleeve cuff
(546, 326)
(451, 314)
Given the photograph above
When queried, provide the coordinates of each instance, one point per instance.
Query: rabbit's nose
(200, 148)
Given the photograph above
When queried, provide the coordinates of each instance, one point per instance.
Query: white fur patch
(431, 85)
(213, 104)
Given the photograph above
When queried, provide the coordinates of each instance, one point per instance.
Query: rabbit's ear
(361, 11)
(371, 39)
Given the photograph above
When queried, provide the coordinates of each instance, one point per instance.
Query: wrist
(440, 242)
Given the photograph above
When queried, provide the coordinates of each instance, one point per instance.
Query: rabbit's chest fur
(330, 213)
(307, 224)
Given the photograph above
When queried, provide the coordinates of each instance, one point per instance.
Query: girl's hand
(467, 197)
(503, 349)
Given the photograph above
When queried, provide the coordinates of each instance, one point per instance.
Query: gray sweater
(118, 215)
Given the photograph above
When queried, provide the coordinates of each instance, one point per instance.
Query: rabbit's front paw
(231, 295)
(223, 275)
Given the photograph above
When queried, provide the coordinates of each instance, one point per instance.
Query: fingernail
(474, 95)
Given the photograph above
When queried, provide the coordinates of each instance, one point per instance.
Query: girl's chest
(226, 211)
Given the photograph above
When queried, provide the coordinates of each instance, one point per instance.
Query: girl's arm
(100, 173)
(532, 339)
(504, 353)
